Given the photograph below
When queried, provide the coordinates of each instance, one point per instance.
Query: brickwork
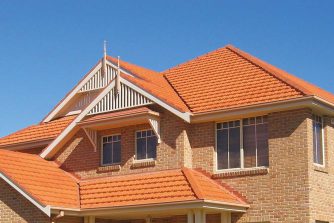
(79, 157)
(280, 194)
(14, 208)
(322, 178)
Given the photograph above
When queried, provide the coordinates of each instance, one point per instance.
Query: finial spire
(118, 77)
(104, 60)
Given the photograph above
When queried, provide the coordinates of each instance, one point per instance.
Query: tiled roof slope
(153, 188)
(230, 78)
(153, 82)
(41, 179)
(39, 132)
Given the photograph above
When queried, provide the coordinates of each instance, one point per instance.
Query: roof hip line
(193, 183)
(262, 65)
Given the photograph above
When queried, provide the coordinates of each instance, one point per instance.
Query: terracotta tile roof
(152, 188)
(153, 82)
(39, 132)
(41, 179)
(229, 78)
(50, 185)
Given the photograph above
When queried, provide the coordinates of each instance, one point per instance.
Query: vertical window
(318, 145)
(255, 142)
(111, 149)
(228, 145)
(146, 145)
(243, 143)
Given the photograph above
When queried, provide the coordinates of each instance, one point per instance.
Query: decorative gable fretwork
(125, 98)
(99, 80)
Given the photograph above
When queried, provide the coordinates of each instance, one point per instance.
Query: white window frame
(147, 159)
(101, 155)
(323, 142)
(242, 164)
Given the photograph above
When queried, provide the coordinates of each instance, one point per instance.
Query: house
(225, 137)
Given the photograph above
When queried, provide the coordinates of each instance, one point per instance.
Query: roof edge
(264, 66)
(193, 184)
(44, 208)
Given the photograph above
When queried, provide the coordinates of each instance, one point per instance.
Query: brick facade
(291, 189)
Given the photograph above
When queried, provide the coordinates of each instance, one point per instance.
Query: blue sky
(47, 46)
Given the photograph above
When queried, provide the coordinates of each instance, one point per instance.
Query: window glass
(254, 134)
(146, 145)
(111, 149)
(318, 149)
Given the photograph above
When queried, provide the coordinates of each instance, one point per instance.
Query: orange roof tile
(153, 82)
(41, 179)
(39, 132)
(229, 78)
(152, 188)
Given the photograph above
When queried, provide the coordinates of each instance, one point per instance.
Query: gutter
(192, 204)
(313, 102)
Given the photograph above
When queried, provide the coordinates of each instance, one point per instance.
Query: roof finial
(118, 77)
(105, 48)
(104, 60)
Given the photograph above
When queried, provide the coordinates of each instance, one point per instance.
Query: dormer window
(146, 145)
(111, 149)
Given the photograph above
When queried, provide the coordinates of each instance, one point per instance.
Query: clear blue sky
(47, 46)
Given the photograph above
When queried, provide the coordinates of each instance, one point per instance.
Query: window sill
(109, 168)
(241, 172)
(320, 168)
(142, 164)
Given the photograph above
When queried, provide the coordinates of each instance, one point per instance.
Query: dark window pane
(262, 145)
(151, 147)
(314, 142)
(234, 147)
(141, 148)
(117, 152)
(107, 153)
(138, 134)
(319, 143)
(222, 149)
(249, 146)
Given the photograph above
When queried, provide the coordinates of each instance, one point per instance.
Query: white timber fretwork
(99, 79)
(92, 135)
(126, 98)
(155, 124)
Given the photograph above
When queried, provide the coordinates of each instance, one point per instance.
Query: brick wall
(322, 179)
(281, 194)
(15, 208)
(78, 155)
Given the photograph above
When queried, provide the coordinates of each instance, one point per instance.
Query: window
(243, 143)
(146, 145)
(318, 144)
(111, 149)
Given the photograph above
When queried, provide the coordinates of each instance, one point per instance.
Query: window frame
(101, 155)
(242, 164)
(136, 156)
(322, 139)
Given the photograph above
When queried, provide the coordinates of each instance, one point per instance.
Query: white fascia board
(44, 209)
(72, 94)
(183, 115)
(121, 69)
(71, 126)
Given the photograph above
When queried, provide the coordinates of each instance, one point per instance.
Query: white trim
(73, 124)
(92, 136)
(136, 160)
(106, 90)
(72, 94)
(155, 125)
(322, 141)
(44, 209)
(184, 115)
